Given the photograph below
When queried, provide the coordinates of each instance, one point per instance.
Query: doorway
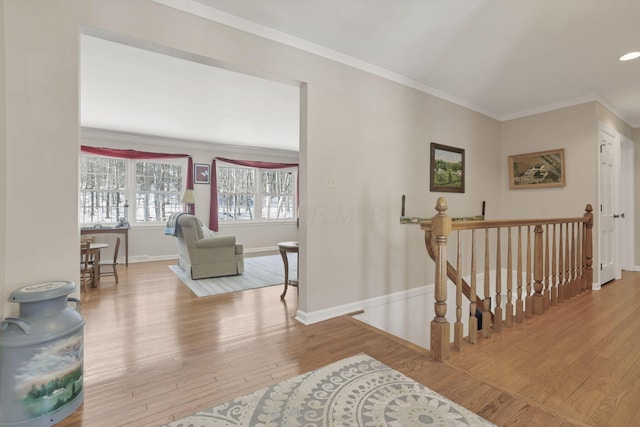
(615, 208)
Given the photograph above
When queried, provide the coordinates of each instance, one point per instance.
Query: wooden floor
(155, 353)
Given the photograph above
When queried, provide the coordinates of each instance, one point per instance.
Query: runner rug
(357, 391)
(259, 272)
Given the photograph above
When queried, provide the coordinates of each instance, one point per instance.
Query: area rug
(357, 391)
(259, 272)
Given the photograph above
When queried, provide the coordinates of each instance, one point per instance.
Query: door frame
(625, 232)
(622, 201)
(608, 179)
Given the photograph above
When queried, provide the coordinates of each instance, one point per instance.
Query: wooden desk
(285, 247)
(113, 230)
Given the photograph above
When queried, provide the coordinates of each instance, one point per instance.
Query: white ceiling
(142, 92)
(503, 58)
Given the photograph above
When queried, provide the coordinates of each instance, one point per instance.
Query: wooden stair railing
(557, 265)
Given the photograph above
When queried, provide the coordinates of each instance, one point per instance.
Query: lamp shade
(189, 197)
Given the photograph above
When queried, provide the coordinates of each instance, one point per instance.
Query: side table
(285, 247)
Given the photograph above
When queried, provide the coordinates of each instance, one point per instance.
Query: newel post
(440, 335)
(587, 248)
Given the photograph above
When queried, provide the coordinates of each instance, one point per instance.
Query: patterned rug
(259, 272)
(357, 391)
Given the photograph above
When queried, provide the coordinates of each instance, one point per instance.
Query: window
(158, 190)
(107, 184)
(278, 190)
(103, 190)
(246, 194)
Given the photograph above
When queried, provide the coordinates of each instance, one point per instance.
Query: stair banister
(554, 272)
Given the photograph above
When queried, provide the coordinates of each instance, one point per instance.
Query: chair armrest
(216, 242)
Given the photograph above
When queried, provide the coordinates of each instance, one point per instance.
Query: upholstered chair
(203, 254)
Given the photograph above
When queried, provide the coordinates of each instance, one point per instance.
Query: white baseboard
(308, 318)
(258, 251)
(328, 313)
(320, 315)
(146, 258)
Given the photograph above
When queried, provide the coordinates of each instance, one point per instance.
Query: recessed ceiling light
(629, 56)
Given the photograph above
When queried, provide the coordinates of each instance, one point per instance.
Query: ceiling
(503, 58)
(143, 92)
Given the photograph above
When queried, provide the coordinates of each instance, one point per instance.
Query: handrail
(558, 267)
(502, 223)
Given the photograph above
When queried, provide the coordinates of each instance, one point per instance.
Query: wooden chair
(113, 266)
(87, 271)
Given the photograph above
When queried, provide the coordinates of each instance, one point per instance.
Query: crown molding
(565, 104)
(550, 107)
(216, 15)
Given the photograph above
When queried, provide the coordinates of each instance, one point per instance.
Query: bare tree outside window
(236, 190)
(158, 191)
(102, 190)
(277, 194)
(155, 186)
(246, 194)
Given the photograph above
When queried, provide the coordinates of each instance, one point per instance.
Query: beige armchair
(203, 255)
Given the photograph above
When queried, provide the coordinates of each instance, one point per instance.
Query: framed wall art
(447, 169)
(537, 170)
(201, 173)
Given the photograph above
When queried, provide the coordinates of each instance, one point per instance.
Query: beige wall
(576, 130)
(41, 66)
(369, 135)
(612, 121)
(3, 162)
(377, 149)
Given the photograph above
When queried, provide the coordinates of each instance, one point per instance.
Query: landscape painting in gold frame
(537, 170)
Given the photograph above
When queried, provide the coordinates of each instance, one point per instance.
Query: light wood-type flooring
(155, 353)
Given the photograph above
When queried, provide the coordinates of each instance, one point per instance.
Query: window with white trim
(151, 189)
(252, 194)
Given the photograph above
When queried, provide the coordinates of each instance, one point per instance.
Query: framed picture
(537, 170)
(201, 174)
(447, 169)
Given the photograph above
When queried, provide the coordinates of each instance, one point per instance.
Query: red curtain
(213, 208)
(133, 154)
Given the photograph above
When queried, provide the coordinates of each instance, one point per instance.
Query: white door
(609, 145)
(625, 210)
